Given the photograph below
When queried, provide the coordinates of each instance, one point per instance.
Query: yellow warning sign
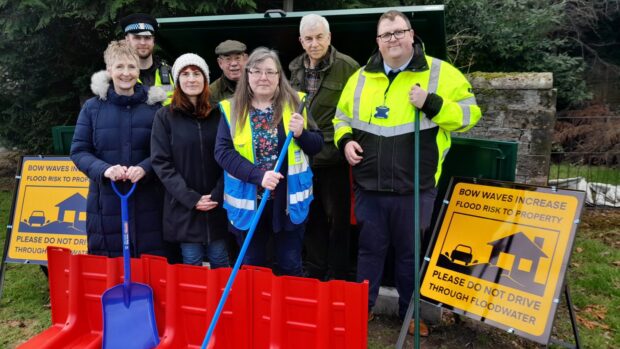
(500, 255)
(49, 209)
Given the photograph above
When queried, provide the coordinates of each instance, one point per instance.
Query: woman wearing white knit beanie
(186, 60)
(182, 146)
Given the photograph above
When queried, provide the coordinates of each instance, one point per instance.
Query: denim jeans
(287, 246)
(216, 252)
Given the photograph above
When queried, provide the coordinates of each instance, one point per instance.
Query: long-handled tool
(414, 304)
(128, 312)
(248, 238)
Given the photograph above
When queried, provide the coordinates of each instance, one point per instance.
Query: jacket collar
(417, 63)
(101, 85)
(228, 84)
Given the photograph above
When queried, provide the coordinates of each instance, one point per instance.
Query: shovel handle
(125, 228)
(248, 237)
(414, 303)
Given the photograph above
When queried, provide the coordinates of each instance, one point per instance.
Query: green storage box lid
(353, 32)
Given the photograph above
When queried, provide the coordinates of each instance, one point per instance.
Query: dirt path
(452, 333)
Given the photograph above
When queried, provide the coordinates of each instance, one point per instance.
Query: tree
(515, 35)
(49, 49)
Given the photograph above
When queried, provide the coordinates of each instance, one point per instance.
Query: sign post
(501, 253)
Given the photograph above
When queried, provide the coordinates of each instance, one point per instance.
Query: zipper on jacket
(202, 151)
(204, 171)
(380, 139)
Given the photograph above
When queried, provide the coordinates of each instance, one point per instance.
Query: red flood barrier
(263, 310)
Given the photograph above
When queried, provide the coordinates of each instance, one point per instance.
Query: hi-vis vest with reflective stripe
(367, 90)
(169, 87)
(240, 199)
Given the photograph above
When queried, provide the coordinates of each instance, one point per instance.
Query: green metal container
(62, 136)
(353, 32)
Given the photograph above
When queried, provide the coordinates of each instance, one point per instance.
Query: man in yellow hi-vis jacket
(374, 127)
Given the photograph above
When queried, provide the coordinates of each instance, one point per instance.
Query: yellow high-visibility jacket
(168, 86)
(378, 115)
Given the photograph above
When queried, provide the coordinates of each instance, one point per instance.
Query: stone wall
(518, 107)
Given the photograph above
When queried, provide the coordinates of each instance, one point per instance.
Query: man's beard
(144, 56)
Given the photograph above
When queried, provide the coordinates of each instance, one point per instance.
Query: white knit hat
(188, 59)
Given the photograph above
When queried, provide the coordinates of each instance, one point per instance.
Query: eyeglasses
(398, 34)
(258, 73)
(231, 59)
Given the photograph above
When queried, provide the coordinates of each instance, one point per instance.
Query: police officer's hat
(139, 24)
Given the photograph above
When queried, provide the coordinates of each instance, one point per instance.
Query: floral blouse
(265, 139)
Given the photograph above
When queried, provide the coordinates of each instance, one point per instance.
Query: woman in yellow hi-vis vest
(250, 136)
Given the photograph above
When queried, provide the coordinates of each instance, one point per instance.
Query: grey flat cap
(229, 47)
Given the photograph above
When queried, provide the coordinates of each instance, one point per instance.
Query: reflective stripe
(468, 101)
(340, 115)
(242, 204)
(299, 168)
(391, 131)
(445, 153)
(464, 104)
(433, 80)
(341, 125)
(298, 197)
(426, 123)
(361, 80)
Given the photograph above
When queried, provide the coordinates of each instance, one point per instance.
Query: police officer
(231, 57)
(374, 126)
(140, 31)
(321, 72)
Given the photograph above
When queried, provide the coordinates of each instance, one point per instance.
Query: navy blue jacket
(112, 130)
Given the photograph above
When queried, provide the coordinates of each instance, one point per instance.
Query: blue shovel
(248, 238)
(128, 312)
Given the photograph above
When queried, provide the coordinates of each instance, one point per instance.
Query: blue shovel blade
(129, 319)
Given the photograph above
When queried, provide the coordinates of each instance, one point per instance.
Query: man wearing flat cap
(139, 29)
(231, 57)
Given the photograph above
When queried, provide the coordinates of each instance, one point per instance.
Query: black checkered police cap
(139, 24)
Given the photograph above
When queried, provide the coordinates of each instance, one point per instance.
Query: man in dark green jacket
(322, 73)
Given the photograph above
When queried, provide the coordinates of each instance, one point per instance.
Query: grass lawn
(593, 276)
(24, 308)
(598, 174)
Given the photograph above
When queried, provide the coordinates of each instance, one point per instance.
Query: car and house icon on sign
(515, 259)
(68, 218)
